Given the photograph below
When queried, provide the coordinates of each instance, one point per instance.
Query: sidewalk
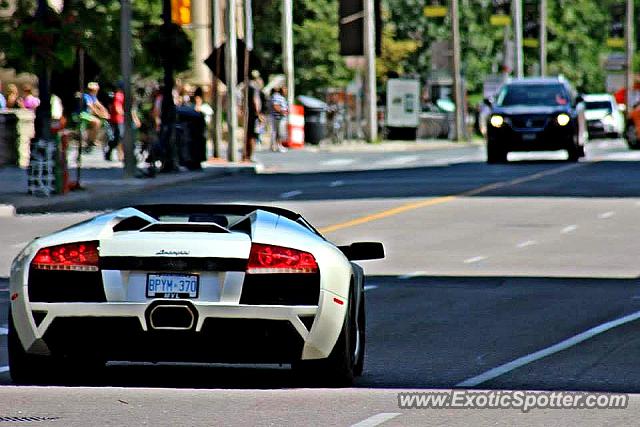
(99, 179)
(359, 146)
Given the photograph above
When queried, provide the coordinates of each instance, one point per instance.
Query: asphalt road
(497, 277)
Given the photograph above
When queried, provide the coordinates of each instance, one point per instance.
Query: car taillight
(81, 256)
(269, 259)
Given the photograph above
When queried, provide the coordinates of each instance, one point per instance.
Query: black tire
(362, 336)
(31, 369)
(632, 137)
(339, 369)
(495, 154)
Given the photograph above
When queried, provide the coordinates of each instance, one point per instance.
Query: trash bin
(315, 119)
(8, 139)
(190, 137)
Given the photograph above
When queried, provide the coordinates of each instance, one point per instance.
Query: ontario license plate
(172, 285)
(528, 136)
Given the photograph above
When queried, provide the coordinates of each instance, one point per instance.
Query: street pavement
(521, 276)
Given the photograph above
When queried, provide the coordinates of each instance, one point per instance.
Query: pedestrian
(116, 120)
(30, 101)
(13, 97)
(254, 118)
(93, 112)
(3, 100)
(279, 113)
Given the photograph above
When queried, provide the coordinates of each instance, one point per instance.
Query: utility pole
(43, 112)
(216, 130)
(629, 56)
(517, 22)
(543, 38)
(287, 47)
(126, 66)
(231, 71)
(457, 75)
(168, 119)
(371, 110)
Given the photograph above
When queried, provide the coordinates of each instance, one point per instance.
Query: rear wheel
(632, 137)
(32, 369)
(495, 154)
(346, 360)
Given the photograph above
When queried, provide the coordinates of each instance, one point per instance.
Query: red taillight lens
(81, 256)
(269, 259)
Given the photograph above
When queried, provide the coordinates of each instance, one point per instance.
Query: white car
(604, 118)
(192, 283)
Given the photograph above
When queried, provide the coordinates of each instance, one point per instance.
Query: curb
(7, 211)
(83, 200)
(420, 145)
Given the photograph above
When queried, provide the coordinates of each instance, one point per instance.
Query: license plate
(172, 285)
(528, 136)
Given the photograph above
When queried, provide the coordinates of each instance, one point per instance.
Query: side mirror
(487, 102)
(363, 251)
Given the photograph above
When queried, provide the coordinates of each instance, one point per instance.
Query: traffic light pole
(543, 38)
(371, 109)
(231, 71)
(457, 75)
(168, 119)
(629, 30)
(287, 46)
(517, 22)
(125, 65)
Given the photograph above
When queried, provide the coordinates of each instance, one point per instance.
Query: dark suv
(536, 114)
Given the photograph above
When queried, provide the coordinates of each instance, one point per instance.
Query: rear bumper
(221, 332)
(548, 139)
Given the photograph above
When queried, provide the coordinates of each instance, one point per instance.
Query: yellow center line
(445, 199)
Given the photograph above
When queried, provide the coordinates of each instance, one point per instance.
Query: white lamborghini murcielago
(188, 283)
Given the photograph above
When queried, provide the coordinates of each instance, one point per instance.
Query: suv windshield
(598, 105)
(543, 94)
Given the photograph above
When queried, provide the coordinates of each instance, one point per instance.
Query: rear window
(543, 94)
(598, 105)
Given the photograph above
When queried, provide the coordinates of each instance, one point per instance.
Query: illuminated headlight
(609, 120)
(496, 121)
(563, 119)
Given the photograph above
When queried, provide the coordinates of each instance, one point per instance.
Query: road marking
(4, 289)
(526, 243)
(412, 275)
(336, 184)
(4, 369)
(569, 229)
(475, 259)
(606, 215)
(445, 199)
(370, 288)
(4, 330)
(562, 345)
(398, 160)
(290, 194)
(337, 162)
(376, 420)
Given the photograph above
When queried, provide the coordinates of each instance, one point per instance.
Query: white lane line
(337, 162)
(562, 345)
(606, 215)
(336, 184)
(569, 229)
(4, 369)
(376, 420)
(370, 288)
(526, 243)
(398, 160)
(474, 259)
(4, 289)
(4, 330)
(290, 194)
(412, 275)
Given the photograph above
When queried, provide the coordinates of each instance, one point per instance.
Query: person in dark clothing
(254, 116)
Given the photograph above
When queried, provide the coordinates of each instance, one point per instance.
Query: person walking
(30, 101)
(279, 113)
(116, 119)
(254, 118)
(13, 97)
(93, 112)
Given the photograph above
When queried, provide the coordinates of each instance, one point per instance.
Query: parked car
(604, 118)
(536, 114)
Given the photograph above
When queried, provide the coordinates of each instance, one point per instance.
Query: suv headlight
(496, 121)
(563, 119)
